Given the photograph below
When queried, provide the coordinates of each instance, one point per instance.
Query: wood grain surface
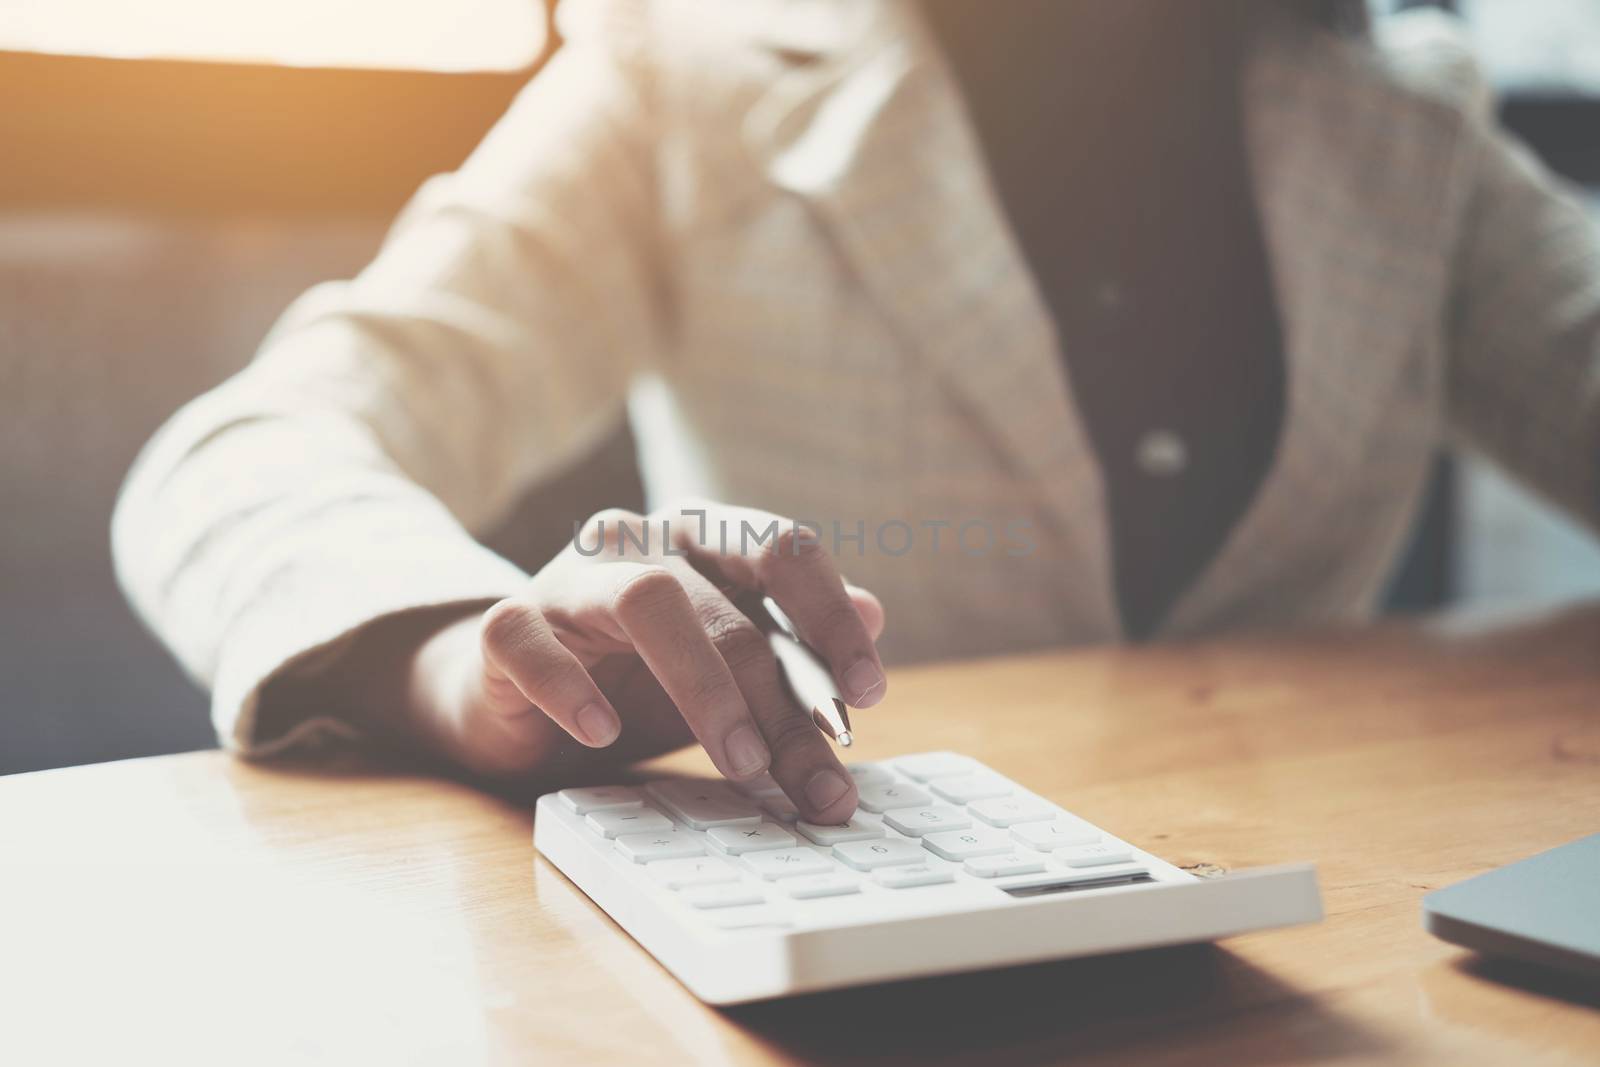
(199, 909)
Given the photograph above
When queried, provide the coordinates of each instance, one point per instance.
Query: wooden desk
(195, 908)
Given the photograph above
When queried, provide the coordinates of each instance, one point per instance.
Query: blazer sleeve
(1524, 324)
(340, 476)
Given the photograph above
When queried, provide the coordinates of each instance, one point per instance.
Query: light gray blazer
(768, 223)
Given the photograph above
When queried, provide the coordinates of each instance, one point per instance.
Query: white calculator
(947, 866)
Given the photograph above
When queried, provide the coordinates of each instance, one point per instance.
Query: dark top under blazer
(1118, 155)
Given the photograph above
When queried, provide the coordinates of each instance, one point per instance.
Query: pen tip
(845, 738)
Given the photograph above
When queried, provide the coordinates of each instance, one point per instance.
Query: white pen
(808, 676)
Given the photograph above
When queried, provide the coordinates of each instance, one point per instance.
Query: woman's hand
(631, 641)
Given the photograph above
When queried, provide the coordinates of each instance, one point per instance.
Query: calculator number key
(779, 807)
(704, 804)
(866, 774)
(964, 844)
(912, 875)
(1008, 811)
(621, 821)
(600, 798)
(966, 788)
(762, 786)
(885, 852)
(666, 845)
(915, 822)
(933, 765)
(886, 797)
(737, 840)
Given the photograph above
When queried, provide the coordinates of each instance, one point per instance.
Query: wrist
(393, 683)
(440, 669)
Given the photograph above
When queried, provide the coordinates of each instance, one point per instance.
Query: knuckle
(507, 624)
(652, 591)
(677, 527)
(606, 526)
(709, 689)
(791, 733)
(838, 620)
(741, 645)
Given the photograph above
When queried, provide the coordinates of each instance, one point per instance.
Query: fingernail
(747, 753)
(598, 726)
(825, 787)
(864, 683)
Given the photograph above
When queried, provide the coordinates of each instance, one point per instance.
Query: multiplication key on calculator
(947, 866)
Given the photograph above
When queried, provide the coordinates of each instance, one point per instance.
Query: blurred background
(173, 172)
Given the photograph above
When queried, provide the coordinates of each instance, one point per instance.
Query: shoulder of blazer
(1414, 84)
(719, 44)
(716, 38)
(721, 74)
(1428, 56)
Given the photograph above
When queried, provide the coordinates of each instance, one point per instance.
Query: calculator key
(723, 896)
(935, 765)
(699, 870)
(1092, 855)
(737, 840)
(600, 798)
(834, 833)
(619, 821)
(779, 807)
(1003, 864)
(760, 786)
(888, 851)
(964, 844)
(927, 820)
(704, 804)
(887, 796)
(912, 875)
(866, 774)
(787, 862)
(820, 885)
(666, 845)
(966, 788)
(755, 918)
(1057, 833)
(1008, 811)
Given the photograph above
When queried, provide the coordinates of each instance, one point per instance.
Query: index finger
(766, 553)
(652, 608)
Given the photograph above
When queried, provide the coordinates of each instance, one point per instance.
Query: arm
(337, 480)
(302, 536)
(1524, 328)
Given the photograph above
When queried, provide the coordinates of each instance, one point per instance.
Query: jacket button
(1162, 454)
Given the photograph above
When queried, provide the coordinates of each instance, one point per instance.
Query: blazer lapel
(875, 137)
(1353, 174)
